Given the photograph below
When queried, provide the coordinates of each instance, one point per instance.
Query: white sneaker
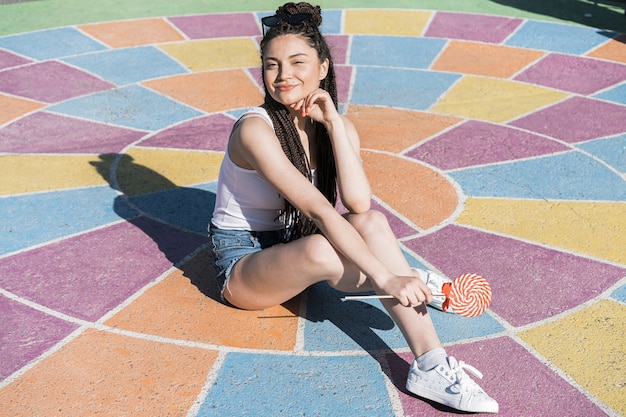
(448, 384)
(435, 283)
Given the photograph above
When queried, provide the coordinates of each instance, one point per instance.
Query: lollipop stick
(370, 297)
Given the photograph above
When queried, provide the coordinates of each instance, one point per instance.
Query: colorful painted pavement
(495, 145)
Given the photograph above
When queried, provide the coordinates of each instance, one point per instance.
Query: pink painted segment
(88, 275)
(576, 119)
(218, 25)
(477, 143)
(338, 45)
(25, 334)
(529, 282)
(50, 82)
(8, 60)
(205, 133)
(50, 133)
(575, 74)
(482, 28)
(522, 385)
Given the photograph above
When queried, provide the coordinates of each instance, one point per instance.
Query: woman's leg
(276, 274)
(415, 323)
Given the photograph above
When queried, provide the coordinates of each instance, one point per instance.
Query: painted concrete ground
(495, 145)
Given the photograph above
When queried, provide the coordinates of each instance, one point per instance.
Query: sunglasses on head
(291, 19)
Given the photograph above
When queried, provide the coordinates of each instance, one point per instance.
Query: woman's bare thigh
(277, 274)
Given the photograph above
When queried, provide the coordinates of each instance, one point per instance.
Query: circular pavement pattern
(495, 145)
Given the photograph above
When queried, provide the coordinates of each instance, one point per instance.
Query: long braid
(296, 224)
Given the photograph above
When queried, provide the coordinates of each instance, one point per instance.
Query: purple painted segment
(218, 25)
(575, 74)
(343, 74)
(205, 133)
(477, 143)
(529, 282)
(50, 82)
(492, 29)
(338, 45)
(576, 119)
(88, 275)
(49, 133)
(25, 334)
(521, 384)
(8, 60)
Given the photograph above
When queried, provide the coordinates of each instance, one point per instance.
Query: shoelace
(462, 379)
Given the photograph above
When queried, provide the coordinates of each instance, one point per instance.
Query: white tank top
(245, 201)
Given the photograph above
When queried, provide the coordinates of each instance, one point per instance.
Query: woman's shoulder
(258, 112)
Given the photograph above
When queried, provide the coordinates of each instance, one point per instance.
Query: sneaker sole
(420, 391)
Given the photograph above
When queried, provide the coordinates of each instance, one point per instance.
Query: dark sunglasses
(291, 19)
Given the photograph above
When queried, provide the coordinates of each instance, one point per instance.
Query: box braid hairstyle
(296, 224)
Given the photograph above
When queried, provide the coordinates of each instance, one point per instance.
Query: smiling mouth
(283, 88)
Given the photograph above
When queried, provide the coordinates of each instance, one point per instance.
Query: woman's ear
(324, 69)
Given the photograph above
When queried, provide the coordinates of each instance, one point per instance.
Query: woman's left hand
(318, 106)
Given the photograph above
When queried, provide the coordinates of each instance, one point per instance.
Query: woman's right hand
(410, 291)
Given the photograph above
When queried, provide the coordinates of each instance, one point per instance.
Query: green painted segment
(18, 17)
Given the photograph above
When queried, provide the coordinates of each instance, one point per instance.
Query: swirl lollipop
(469, 295)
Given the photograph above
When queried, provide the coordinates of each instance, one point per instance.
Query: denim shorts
(229, 246)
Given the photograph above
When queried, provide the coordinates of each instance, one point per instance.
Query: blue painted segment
(611, 150)
(395, 51)
(620, 294)
(38, 218)
(408, 89)
(454, 328)
(187, 208)
(331, 22)
(285, 385)
(131, 106)
(556, 37)
(51, 44)
(617, 94)
(336, 325)
(567, 176)
(128, 66)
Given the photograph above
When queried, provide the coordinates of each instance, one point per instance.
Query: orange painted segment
(485, 59)
(104, 372)
(180, 310)
(13, 107)
(613, 50)
(133, 32)
(211, 91)
(422, 195)
(395, 130)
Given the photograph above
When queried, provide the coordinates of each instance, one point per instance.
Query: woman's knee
(372, 222)
(321, 256)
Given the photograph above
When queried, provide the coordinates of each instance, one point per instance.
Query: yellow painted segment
(494, 100)
(36, 173)
(596, 229)
(589, 347)
(145, 170)
(386, 22)
(213, 54)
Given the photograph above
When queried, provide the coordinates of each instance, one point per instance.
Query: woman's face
(292, 69)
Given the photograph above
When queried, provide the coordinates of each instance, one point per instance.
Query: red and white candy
(469, 295)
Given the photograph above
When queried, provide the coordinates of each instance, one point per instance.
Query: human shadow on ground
(577, 11)
(176, 219)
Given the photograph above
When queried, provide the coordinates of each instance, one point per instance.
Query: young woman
(275, 229)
